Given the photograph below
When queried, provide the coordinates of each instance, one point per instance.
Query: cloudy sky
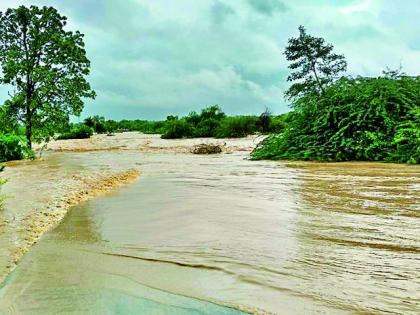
(151, 58)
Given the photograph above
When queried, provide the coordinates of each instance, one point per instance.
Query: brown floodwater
(197, 232)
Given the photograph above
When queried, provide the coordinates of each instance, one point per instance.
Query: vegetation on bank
(213, 122)
(13, 147)
(343, 118)
(210, 122)
(77, 131)
(356, 119)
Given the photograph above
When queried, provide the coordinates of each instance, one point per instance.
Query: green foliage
(205, 123)
(278, 123)
(177, 128)
(237, 127)
(406, 141)
(213, 122)
(374, 119)
(152, 127)
(210, 122)
(313, 63)
(194, 125)
(97, 123)
(47, 68)
(77, 132)
(13, 147)
(100, 125)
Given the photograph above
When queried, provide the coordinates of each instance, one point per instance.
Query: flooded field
(202, 234)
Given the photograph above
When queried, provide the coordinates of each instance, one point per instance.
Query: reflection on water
(289, 238)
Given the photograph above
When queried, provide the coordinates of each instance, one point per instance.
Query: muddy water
(289, 238)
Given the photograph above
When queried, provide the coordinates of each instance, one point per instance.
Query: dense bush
(13, 147)
(177, 128)
(278, 123)
(375, 119)
(100, 125)
(77, 132)
(237, 127)
(152, 127)
(96, 123)
(212, 122)
(205, 124)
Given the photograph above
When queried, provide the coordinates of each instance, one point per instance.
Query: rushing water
(197, 231)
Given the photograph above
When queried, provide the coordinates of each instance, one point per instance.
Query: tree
(97, 123)
(313, 63)
(264, 121)
(47, 68)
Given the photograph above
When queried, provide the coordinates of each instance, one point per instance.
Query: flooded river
(202, 234)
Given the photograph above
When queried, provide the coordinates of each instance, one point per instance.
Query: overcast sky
(152, 58)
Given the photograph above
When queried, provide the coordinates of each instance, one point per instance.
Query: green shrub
(13, 147)
(152, 127)
(177, 128)
(206, 128)
(77, 132)
(278, 123)
(406, 141)
(96, 123)
(205, 124)
(237, 127)
(369, 119)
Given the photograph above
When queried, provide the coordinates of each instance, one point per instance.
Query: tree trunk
(317, 79)
(29, 127)
(29, 89)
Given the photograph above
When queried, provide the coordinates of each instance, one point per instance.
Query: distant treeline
(210, 122)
